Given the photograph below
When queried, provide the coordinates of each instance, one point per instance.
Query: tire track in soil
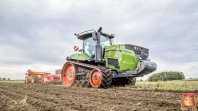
(50, 97)
(34, 99)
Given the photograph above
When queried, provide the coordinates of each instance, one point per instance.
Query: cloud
(41, 33)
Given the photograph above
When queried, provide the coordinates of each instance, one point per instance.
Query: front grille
(139, 51)
(113, 62)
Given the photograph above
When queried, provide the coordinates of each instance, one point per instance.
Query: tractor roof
(85, 34)
(88, 33)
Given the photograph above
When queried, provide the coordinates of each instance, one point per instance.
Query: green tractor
(102, 64)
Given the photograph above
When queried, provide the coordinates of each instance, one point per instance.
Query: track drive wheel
(68, 74)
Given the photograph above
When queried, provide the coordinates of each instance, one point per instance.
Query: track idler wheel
(68, 74)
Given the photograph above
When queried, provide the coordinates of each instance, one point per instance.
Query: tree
(166, 76)
(8, 78)
(4, 78)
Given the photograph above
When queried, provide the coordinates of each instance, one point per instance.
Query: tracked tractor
(102, 64)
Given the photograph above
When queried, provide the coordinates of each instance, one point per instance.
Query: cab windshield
(104, 41)
(89, 44)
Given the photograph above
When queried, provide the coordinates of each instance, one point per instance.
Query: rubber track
(132, 81)
(106, 75)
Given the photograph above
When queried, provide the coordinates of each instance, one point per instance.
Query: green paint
(126, 58)
(79, 56)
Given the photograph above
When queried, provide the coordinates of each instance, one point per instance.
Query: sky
(39, 35)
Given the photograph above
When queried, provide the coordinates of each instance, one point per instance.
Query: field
(180, 85)
(37, 97)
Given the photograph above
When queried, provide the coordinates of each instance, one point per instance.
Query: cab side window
(89, 46)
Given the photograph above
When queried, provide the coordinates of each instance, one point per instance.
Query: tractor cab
(94, 41)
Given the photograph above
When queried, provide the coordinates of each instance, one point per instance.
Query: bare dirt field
(39, 97)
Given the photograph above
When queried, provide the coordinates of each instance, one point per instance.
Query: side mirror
(99, 30)
(76, 48)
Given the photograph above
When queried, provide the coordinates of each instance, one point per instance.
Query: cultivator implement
(42, 77)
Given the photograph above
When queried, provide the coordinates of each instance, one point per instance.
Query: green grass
(183, 85)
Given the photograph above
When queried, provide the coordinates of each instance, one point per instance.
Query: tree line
(4, 78)
(167, 76)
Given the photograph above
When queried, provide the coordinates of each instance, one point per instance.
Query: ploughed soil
(40, 97)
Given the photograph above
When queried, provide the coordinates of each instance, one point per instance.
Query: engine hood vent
(139, 51)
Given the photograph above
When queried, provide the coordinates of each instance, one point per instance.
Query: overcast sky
(38, 35)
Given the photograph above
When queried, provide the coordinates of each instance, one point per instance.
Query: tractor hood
(140, 52)
(129, 60)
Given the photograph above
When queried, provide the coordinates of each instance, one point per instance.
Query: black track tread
(80, 83)
(106, 73)
(87, 84)
(83, 83)
(77, 83)
(132, 81)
